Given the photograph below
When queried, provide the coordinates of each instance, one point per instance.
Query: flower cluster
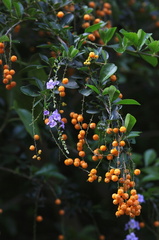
(131, 236)
(132, 224)
(51, 84)
(53, 119)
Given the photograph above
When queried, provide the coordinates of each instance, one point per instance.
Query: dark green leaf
(107, 34)
(93, 88)
(150, 59)
(4, 38)
(93, 27)
(30, 90)
(113, 93)
(128, 102)
(106, 71)
(67, 19)
(8, 4)
(50, 171)
(85, 92)
(44, 58)
(142, 38)
(19, 9)
(131, 36)
(154, 46)
(129, 122)
(150, 177)
(92, 111)
(149, 156)
(133, 134)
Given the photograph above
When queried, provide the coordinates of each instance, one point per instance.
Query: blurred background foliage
(29, 187)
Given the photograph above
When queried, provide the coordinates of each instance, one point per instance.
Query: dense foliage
(78, 120)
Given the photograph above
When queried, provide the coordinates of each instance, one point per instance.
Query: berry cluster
(8, 72)
(34, 148)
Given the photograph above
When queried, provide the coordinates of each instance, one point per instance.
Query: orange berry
(62, 94)
(65, 80)
(13, 58)
(101, 237)
(39, 218)
(85, 25)
(137, 171)
(109, 157)
(114, 178)
(120, 95)
(106, 180)
(92, 125)
(64, 120)
(91, 37)
(122, 129)
(36, 137)
(61, 237)
(6, 71)
(1, 62)
(95, 137)
(122, 143)
(60, 14)
(86, 17)
(57, 201)
(46, 120)
(5, 81)
(73, 121)
(77, 126)
(13, 84)
(94, 158)
(84, 125)
(156, 223)
(133, 192)
(83, 164)
(8, 87)
(109, 130)
(107, 5)
(61, 212)
(1, 45)
(64, 137)
(9, 77)
(92, 4)
(113, 78)
(80, 118)
(91, 54)
(5, 66)
(93, 171)
(1, 50)
(117, 171)
(114, 151)
(82, 132)
(103, 148)
(141, 224)
(97, 20)
(61, 88)
(82, 153)
(115, 143)
(12, 72)
(115, 130)
(1, 210)
(32, 148)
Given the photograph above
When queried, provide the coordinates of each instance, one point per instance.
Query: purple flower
(132, 224)
(54, 119)
(131, 236)
(46, 112)
(141, 198)
(51, 84)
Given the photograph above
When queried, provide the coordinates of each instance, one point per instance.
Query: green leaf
(30, 90)
(106, 71)
(133, 37)
(92, 111)
(107, 34)
(150, 177)
(67, 19)
(128, 102)
(133, 134)
(8, 4)
(154, 46)
(129, 122)
(149, 156)
(4, 38)
(142, 36)
(26, 118)
(85, 92)
(93, 88)
(113, 93)
(93, 28)
(19, 9)
(150, 59)
(50, 171)
(73, 52)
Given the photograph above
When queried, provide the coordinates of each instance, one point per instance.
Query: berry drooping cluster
(38, 152)
(8, 72)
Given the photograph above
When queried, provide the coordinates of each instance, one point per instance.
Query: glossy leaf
(130, 121)
(67, 19)
(107, 34)
(113, 93)
(131, 36)
(19, 9)
(106, 71)
(149, 156)
(93, 88)
(30, 90)
(4, 38)
(85, 92)
(8, 4)
(150, 59)
(93, 28)
(128, 102)
(154, 46)
(50, 171)
(142, 36)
